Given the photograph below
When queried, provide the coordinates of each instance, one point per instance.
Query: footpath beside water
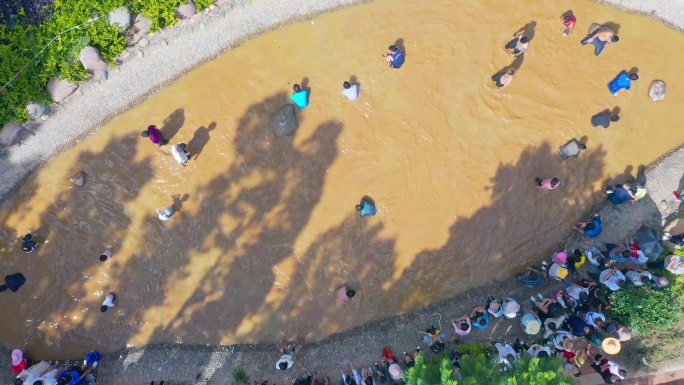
(173, 53)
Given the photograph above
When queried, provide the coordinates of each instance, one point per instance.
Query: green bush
(202, 4)
(161, 12)
(644, 310)
(435, 371)
(536, 371)
(241, 376)
(475, 348)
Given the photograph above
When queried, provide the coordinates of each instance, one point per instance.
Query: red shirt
(633, 248)
(569, 23)
(16, 369)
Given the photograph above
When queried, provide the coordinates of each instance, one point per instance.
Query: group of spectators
(53, 372)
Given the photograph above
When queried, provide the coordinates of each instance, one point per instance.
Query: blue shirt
(620, 82)
(367, 209)
(596, 230)
(485, 317)
(397, 59)
(301, 98)
(577, 326)
(620, 195)
(75, 377)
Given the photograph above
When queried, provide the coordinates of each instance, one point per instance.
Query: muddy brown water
(266, 228)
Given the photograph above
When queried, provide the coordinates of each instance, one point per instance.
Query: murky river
(266, 228)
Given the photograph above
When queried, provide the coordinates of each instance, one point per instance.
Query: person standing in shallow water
(366, 208)
(28, 244)
(569, 21)
(571, 149)
(300, 97)
(351, 91)
(155, 135)
(395, 58)
(603, 119)
(344, 294)
(548, 183)
(504, 79)
(622, 81)
(109, 301)
(600, 37)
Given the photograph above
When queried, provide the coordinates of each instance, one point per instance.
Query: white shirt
(574, 291)
(611, 282)
(109, 301)
(535, 349)
(640, 259)
(561, 335)
(49, 378)
(592, 316)
(635, 276)
(33, 373)
(504, 351)
(558, 321)
(352, 93)
(178, 154)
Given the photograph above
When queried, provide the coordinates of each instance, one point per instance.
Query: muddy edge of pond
(185, 364)
(177, 50)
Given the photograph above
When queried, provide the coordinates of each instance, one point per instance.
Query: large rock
(119, 17)
(60, 89)
(35, 110)
(10, 133)
(656, 91)
(284, 121)
(186, 11)
(91, 60)
(141, 27)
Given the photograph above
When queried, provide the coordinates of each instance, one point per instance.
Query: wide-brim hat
(610, 345)
(395, 371)
(17, 356)
(511, 308)
(286, 358)
(533, 327)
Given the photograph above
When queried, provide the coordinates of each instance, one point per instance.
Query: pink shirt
(546, 184)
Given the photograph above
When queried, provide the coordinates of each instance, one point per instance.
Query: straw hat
(532, 327)
(610, 345)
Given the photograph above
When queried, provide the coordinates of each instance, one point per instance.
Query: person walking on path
(180, 153)
(300, 97)
(548, 183)
(604, 118)
(155, 135)
(571, 149)
(622, 81)
(600, 37)
(395, 58)
(351, 91)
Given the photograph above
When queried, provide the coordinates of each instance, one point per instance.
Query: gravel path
(179, 49)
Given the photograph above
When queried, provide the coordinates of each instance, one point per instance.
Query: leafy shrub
(474, 348)
(202, 4)
(27, 11)
(644, 310)
(537, 371)
(241, 376)
(162, 12)
(434, 371)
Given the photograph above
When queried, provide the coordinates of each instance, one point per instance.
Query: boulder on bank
(10, 133)
(141, 27)
(35, 110)
(91, 60)
(284, 121)
(60, 89)
(656, 91)
(79, 179)
(119, 17)
(187, 11)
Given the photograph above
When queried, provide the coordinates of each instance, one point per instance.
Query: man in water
(569, 21)
(623, 80)
(300, 97)
(571, 149)
(604, 118)
(395, 58)
(180, 154)
(366, 207)
(155, 135)
(504, 79)
(600, 37)
(519, 45)
(28, 244)
(351, 91)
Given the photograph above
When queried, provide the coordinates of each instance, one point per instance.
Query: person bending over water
(603, 119)
(571, 149)
(602, 36)
(504, 79)
(28, 244)
(622, 81)
(518, 45)
(351, 91)
(395, 58)
(180, 154)
(155, 135)
(300, 97)
(548, 183)
(569, 21)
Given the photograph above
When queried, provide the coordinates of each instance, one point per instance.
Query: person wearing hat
(494, 307)
(530, 323)
(620, 333)
(511, 307)
(610, 346)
